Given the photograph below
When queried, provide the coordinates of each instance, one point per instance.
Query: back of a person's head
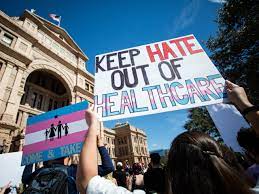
(136, 168)
(155, 158)
(55, 161)
(119, 166)
(247, 139)
(196, 165)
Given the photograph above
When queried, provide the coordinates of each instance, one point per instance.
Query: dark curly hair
(136, 169)
(247, 139)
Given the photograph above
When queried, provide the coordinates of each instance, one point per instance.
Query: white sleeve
(99, 185)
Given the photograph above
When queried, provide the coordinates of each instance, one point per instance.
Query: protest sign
(55, 134)
(10, 168)
(228, 121)
(164, 76)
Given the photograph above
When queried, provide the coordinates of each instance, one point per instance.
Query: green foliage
(200, 120)
(235, 47)
(235, 52)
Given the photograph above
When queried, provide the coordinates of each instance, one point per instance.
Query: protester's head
(55, 161)
(155, 158)
(136, 168)
(119, 166)
(247, 139)
(59, 122)
(196, 165)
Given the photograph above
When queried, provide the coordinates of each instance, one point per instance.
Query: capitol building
(41, 69)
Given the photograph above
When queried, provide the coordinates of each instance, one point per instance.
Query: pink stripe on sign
(79, 115)
(46, 145)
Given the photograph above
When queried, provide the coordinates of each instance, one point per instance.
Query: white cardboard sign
(228, 121)
(159, 77)
(10, 168)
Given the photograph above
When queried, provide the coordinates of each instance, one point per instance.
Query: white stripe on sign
(41, 135)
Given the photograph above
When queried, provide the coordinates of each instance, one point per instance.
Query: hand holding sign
(90, 116)
(237, 95)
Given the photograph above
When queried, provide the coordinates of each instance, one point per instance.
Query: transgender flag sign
(55, 134)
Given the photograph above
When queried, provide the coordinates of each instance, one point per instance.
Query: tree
(235, 48)
(200, 120)
(235, 52)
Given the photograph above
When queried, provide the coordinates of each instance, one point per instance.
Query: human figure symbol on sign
(52, 132)
(66, 129)
(59, 127)
(46, 134)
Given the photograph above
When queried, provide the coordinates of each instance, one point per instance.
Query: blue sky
(104, 26)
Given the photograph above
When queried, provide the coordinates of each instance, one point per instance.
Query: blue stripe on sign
(52, 154)
(58, 112)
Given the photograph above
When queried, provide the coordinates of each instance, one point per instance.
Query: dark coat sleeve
(106, 167)
(27, 174)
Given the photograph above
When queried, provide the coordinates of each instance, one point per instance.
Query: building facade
(41, 69)
(130, 144)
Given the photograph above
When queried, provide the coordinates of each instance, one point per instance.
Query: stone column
(14, 99)
(19, 118)
(24, 120)
(3, 85)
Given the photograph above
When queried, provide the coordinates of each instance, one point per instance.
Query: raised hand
(237, 95)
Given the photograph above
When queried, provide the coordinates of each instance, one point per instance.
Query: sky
(105, 26)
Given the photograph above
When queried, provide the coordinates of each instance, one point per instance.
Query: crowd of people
(196, 164)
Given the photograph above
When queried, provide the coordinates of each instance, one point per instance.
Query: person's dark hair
(119, 167)
(196, 165)
(136, 168)
(155, 158)
(247, 139)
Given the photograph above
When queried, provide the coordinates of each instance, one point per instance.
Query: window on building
(27, 24)
(91, 89)
(33, 27)
(87, 86)
(7, 39)
(34, 98)
(50, 104)
(55, 105)
(39, 102)
(125, 139)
